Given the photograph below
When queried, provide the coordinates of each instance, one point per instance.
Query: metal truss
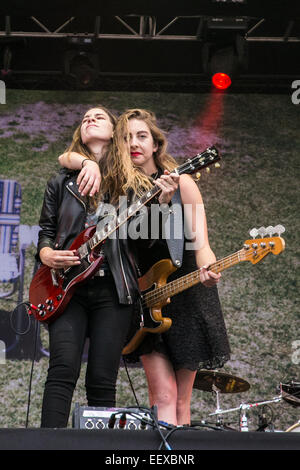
(140, 27)
(129, 27)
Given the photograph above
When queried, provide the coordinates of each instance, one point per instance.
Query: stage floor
(120, 440)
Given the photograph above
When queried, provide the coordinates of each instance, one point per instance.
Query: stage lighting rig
(81, 63)
(82, 71)
(225, 51)
(221, 80)
(223, 66)
(6, 65)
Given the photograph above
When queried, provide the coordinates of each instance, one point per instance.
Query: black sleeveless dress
(198, 337)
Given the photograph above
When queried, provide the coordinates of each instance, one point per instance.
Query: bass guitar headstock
(257, 248)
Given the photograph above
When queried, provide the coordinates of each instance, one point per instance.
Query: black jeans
(94, 312)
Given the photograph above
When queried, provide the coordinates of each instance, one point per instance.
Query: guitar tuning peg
(253, 233)
(279, 229)
(262, 232)
(270, 230)
(198, 174)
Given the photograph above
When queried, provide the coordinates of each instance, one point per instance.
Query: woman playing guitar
(101, 307)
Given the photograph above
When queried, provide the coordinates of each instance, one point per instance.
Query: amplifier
(90, 417)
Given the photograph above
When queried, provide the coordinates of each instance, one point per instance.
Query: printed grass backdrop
(258, 137)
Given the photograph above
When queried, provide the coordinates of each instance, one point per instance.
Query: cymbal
(211, 380)
(291, 393)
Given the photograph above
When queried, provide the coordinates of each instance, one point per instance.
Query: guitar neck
(123, 217)
(185, 282)
(199, 162)
(227, 262)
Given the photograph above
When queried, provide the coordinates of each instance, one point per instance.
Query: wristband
(87, 159)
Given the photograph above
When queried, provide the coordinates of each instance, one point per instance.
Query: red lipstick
(135, 154)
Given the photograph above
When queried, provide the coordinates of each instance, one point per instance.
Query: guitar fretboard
(123, 217)
(208, 157)
(162, 293)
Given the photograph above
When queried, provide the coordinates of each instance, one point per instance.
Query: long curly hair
(118, 172)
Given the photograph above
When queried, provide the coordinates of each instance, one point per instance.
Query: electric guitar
(156, 292)
(51, 289)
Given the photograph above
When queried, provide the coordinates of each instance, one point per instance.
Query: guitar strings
(160, 292)
(94, 241)
(193, 277)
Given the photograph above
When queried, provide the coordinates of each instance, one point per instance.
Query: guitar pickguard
(73, 274)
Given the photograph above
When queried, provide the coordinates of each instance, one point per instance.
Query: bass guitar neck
(157, 292)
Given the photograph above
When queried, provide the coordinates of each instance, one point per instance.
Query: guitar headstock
(192, 165)
(257, 248)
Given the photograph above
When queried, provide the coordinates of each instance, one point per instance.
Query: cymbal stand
(218, 411)
(243, 418)
(243, 409)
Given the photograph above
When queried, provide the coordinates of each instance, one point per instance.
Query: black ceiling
(262, 8)
(149, 45)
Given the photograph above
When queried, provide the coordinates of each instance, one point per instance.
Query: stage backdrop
(258, 138)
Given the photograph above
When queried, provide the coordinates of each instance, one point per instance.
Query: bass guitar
(157, 292)
(51, 289)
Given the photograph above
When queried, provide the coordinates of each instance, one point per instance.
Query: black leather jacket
(63, 217)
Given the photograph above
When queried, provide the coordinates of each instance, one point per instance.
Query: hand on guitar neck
(207, 277)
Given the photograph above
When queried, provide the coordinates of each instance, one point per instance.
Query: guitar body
(50, 290)
(153, 321)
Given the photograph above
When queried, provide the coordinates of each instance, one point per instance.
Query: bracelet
(86, 159)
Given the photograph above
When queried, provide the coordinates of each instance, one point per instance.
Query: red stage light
(221, 81)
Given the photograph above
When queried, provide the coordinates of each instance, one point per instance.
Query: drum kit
(219, 382)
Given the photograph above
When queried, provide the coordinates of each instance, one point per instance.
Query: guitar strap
(173, 226)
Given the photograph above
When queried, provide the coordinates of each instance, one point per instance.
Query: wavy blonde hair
(162, 159)
(118, 171)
